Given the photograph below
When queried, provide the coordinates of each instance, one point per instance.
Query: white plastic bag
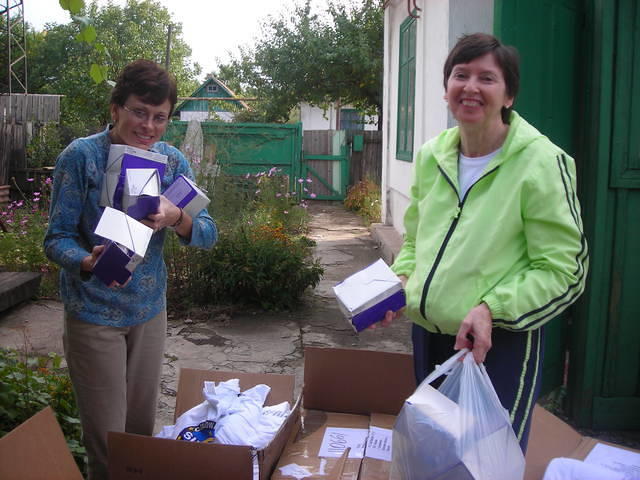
(458, 432)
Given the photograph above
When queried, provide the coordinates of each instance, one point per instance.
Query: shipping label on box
(121, 158)
(185, 194)
(367, 295)
(141, 196)
(128, 244)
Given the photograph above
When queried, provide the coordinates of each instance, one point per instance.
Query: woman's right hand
(89, 261)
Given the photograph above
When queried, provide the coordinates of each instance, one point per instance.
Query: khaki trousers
(115, 373)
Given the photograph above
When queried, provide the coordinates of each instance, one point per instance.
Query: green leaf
(98, 73)
(87, 34)
(73, 6)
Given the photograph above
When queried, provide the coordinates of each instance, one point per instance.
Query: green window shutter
(406, 90)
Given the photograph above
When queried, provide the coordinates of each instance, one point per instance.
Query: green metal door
(325, 165)
(546, 34)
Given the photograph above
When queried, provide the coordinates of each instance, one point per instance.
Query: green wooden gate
(240, 148)
(325, 162)
(545, 32)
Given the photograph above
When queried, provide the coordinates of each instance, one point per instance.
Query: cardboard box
(127, 244)
(345, 388)
(121, 158)
(141, 196)
(367, 295)
(370, 383)
(185, 194)
(36, 450)
(150, 458)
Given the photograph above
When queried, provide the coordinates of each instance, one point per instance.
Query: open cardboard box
(144, 458)
(36, 449)
(366, 383)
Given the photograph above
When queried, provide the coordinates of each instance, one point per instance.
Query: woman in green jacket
(494, 245)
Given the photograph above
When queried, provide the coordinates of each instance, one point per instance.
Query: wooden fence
(19, 114)
(367, 164)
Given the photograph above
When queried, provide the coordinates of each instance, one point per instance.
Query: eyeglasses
(143, 115)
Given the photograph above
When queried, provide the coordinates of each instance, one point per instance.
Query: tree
(58, 64)
(303, 57)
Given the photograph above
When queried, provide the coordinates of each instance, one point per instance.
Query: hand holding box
(367, 295)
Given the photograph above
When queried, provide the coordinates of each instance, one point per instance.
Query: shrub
(364, 199)
(26, 222)
(28, 385)
(262, 256)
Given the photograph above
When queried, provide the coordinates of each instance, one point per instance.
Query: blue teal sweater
(73, 216)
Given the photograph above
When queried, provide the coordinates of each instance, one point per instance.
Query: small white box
(128, 244)
(185, 194)
(141, 195)
(121, 158)
(367, 295)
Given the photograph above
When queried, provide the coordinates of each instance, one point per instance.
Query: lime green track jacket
(515, 241)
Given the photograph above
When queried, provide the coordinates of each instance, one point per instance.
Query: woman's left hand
(168, 214)
(478, 325)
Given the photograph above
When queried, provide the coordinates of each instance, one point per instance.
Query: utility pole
(167, 56)
(12, 13)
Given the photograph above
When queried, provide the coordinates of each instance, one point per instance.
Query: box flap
(271, 453)
(37, 449)
(191, 382)
(147, 458)
(356, 381)
(550, 437)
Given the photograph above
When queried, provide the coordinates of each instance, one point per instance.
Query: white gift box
(141, 195)
(185, 194)
(121, 158)
(128, 242)
(367, 295)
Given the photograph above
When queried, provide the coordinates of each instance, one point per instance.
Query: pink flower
(312, 195)
(278, 195)
(305, 189)
(247, 175)
(300, 180)
(309, 180)
(285, 212)
(30, 179)
(48, 181)
(257, 191)
(272, 171)
(36, 199)
(36, 194)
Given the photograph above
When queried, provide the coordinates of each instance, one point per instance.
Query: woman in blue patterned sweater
(114, 335)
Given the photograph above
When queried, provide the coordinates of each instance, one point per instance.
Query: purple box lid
(376, 313)
(144, 206)
(111, 264)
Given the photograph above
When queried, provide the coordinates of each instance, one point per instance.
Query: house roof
(201, 92)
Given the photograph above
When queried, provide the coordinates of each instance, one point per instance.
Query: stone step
(16, 287)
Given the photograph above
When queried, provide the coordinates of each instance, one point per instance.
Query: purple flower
(36, 194)
(48, 181)
(247, 175)
(257, 191)
(312, 195)
(300, 180)
(309, 180)
(30, 179)
(278, 195)
(285, 212)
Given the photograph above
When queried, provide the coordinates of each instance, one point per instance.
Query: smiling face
(139, 124)
(476, 93)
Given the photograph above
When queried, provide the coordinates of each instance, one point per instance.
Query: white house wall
(317, 118)
(440, 24)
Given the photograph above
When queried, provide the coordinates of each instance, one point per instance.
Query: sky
(212, 28)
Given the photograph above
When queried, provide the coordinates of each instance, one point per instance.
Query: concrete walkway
(246, 341)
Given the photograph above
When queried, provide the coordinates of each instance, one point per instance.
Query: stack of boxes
(130, 192)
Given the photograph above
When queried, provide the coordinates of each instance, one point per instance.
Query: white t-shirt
(470, 169)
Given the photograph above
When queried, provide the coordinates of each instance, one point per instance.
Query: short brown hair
(147, 80)
(476, 45)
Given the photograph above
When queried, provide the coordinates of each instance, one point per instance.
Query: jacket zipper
(445, 242)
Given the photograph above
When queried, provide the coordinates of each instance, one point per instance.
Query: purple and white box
(121, 158)
(141, 196)
(367, 295)
(127, 242)
(185, 194)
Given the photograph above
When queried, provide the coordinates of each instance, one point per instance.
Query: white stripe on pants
(115, 373)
